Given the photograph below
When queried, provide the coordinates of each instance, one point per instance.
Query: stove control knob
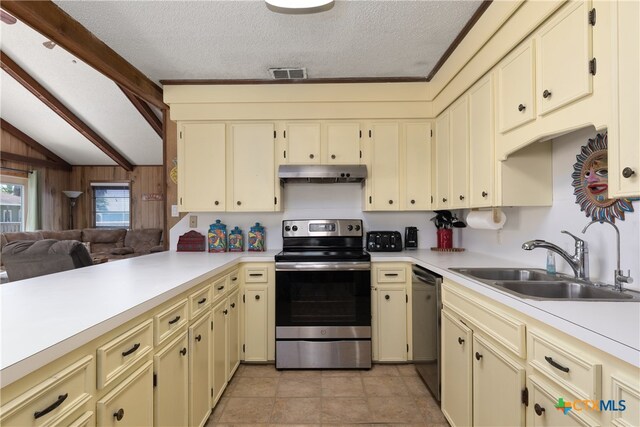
(349, 227)
(357, 228)
(294, 228)
(287, 228)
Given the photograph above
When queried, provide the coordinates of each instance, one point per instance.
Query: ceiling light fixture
(299, 6)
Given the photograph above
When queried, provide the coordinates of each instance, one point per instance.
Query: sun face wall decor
(590, 181)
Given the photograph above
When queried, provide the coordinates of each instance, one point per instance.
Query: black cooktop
(322, 255)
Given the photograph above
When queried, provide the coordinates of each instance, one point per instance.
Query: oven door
(316, 294)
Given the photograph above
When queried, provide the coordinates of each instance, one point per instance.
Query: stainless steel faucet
(579, 261)
(619, 278)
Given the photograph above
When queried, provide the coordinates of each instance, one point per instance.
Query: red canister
(445, 238)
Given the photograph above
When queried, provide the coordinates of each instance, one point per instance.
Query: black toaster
(384, 241)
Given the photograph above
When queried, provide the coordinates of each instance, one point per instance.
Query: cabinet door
(392, 323)
(342, 143)
(459, 145)
(201, 166)
(564, 51)
(255, 323)
(456, 371)
(516, 88)
(130, 403)
(384, 171)
(417, 167)
(253, 181)
(441, 162)
(624, 134)
(219, 351)
(481, 144)
(303, 140)
(542, 411)
(171, 394)
(233, 320)
(200, 371)
(496, 378)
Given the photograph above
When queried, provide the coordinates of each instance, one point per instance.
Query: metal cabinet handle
(233, 305)
(51, 407)
(539, 409)
(257, 297)
(216, 203)
(171, 322)
(256, 274)
(225, 312)
(546, 94)
(461, 197)
(413, 202)
(119, 415)
(233, 279)
(311, 156)
(202, 301)
(220, 287)
(521, 107)
(444, 200)
(183, 351)
(485, 194)
(556, 364)
(391, 274)
(131, 350)
(333, 156)
(198, 337)
(390, 202)
(460, 340)
(478, 356)
(238, 203)
(387, 297)
(628, 172)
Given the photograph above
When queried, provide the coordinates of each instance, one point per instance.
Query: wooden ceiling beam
(55, 24)
(12, 157)
(11, 129)
(144, 109)
(22, 77)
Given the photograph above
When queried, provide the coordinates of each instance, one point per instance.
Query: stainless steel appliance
(426, 287)
(411, 237)
(384, 241)
(323, 296)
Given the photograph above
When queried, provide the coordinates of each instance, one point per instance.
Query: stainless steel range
(323, 296)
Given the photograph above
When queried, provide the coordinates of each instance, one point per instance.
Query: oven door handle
(323, 266)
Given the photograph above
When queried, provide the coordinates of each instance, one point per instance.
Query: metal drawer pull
(183, 351)
(539, 409)
(521, 107)
(225, 312)
(220, 287)
(119, 415)
(556, 364)
(198, 337)
(255, 274)
(546, 94)
(387, 297)
(257, 296)
(233, 279)
(460, 341)
(51, 407)
(132, 349)
(628, 172)
(233, 305)
(171, 322)
(202, 301)
(478, 356)
(391, 274)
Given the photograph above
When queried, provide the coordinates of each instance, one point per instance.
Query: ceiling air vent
(288, 73)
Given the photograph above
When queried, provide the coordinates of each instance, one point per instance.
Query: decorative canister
(236, 240)
(445, 238)
(256, 238)
(217, 237)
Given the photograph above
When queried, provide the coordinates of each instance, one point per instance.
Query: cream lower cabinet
(233, 320)
(219, 350)
(457, 365)
(200, 334)
(255, 301)
(130, 403)
(171, 392)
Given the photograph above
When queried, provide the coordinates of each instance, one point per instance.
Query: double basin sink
(538, 284)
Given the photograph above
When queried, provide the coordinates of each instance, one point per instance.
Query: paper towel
(484, 220)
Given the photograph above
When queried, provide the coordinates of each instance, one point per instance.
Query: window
(13, 204)
(111, 205)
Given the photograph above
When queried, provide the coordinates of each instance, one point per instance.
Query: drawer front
(52, 400)
(622, 389)
(170, 321)
(568, 367)
(200, 301)
(220, 287)
(506, 330)
(87, 419)
(116, 356)
(542, 411)
(131, 402)
(255, 275)
(391, 274)
(234, 279)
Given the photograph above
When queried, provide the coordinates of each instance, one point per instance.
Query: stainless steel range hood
(322, 173)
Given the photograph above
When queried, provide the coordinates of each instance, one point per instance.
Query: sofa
(101, 243)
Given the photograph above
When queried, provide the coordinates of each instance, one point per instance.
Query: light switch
(174, 210)
(193, 221)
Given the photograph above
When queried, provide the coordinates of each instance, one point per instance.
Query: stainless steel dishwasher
(426, 289)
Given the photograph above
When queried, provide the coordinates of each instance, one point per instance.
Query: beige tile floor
(386, 394)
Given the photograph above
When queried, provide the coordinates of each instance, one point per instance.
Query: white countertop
(44, 318)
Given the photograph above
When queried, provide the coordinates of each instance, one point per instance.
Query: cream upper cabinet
(456, 371)
(563, 54)
(171, 393)
(303, 142)
(200, 335)
(481, 144)
(341, 143)
(516, 85)
(233, 320)
(201, 162)
(252, 183)
(383, 184)
(624, 134)
(459, 153)
(441, 162)
(416, 180)
(496, 378)
(255, 323)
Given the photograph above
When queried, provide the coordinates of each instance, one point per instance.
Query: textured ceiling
(242, 39)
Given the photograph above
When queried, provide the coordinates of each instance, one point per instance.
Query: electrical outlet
(193, 221)
(174, 211)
